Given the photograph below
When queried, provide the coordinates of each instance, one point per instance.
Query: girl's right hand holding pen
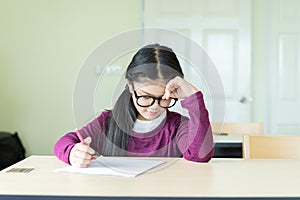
(81, 154)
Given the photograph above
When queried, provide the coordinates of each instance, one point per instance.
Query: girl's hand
(179, 88)
(81, 154)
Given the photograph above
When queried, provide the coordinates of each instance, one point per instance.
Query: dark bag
(11, 149)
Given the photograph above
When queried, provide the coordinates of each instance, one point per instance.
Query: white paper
(113, 166)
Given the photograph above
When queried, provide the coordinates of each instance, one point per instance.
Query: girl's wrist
(189, 92)
(193, 90)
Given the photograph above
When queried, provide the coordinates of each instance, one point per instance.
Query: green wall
(42, 45)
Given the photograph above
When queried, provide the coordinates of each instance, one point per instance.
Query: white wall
(258, 62)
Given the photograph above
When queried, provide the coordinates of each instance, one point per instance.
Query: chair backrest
(238, 128)
(259, 146)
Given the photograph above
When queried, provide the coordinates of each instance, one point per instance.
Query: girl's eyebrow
(149, 93)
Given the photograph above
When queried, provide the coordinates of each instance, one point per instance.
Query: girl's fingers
(171, 87)
(171, 91)
(169, 94)
(88, 140)
(79, 165)
(81, 155)
(81, 159)
(179, 88)
(166, 95)
(85, 148)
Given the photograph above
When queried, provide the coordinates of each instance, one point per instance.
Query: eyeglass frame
(154, 99)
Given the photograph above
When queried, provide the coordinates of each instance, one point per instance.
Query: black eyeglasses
(147, 101)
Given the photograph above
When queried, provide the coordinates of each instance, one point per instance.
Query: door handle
(245, 100)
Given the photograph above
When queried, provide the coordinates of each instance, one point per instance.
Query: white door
(284, 67)
(223, 29)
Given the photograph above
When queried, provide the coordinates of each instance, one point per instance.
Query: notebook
(114, 166)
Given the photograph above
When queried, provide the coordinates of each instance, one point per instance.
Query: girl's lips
(151, 112)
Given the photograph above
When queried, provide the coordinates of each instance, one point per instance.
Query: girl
(140, 123)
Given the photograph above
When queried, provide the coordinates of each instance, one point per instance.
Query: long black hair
(154, 62)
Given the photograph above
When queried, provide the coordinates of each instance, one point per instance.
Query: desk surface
(176, 178)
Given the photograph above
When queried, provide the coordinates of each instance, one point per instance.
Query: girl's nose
(156, 104)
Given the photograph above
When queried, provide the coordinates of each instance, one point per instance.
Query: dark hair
(151, 62)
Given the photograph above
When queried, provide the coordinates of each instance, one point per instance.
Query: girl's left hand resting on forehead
(179, 88)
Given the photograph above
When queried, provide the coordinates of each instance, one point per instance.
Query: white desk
(230, 138)
(177, 178)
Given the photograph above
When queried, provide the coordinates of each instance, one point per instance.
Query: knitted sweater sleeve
(94, 129)
(194, 135)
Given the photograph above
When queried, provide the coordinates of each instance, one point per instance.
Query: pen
(80, 137)
(83, 142)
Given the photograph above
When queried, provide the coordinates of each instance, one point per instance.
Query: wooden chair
(238, 128)
(228, 138)
(271, 146)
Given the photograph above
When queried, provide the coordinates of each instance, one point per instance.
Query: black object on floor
(11, 149)
(228, 150)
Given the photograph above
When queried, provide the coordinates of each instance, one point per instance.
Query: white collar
(143, 126)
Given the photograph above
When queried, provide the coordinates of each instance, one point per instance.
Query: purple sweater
(176, 135)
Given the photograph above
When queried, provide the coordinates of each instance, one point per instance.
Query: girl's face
(148, 89)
